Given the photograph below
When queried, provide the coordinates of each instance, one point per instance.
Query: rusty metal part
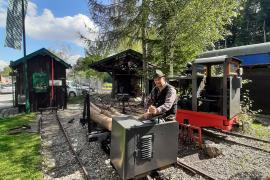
(193, 170)
(211, 134)
(187, 133)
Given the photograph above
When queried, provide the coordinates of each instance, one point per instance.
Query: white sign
(55, 82)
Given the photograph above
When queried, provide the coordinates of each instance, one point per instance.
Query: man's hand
(153, 110)
(146, 115)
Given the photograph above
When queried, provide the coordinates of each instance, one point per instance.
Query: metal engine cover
(139, 147)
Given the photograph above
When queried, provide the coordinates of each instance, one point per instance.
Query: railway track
(245, 136)
(193, 170)
(50, 125)
(242, 140)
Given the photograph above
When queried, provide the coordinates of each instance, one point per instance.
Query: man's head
(159, 78)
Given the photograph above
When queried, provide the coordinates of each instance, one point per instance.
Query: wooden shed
(46, 74)
(125, 69)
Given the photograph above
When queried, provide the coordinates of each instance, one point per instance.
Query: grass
(261, 131)
(19, 154)
(107, 86)
(253, 128)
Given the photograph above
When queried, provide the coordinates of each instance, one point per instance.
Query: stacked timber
(103, 116)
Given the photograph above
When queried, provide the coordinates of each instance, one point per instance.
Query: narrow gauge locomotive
(210, 95)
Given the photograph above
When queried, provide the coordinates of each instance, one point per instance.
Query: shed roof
(42, 52)
(106, 64)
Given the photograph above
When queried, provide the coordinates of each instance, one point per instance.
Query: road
(5, 100)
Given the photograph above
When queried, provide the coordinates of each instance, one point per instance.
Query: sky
(53, 24)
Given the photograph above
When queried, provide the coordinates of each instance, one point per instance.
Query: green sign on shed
(40, 82)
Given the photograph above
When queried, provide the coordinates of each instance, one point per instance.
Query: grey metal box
(139, 147)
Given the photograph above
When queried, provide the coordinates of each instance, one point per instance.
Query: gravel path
(236, 162)
(96, 162)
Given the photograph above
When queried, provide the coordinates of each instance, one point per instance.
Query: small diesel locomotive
(210, 95)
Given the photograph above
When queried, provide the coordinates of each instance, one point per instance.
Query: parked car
(75, 89)
(5, 88)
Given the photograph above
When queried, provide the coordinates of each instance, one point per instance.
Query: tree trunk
(144, 58)
(103, 117)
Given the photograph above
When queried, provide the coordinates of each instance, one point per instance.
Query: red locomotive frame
(202, 119)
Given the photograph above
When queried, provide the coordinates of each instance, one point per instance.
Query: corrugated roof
(213, 60)
(42, 52)
(239, 51)
(216, 59)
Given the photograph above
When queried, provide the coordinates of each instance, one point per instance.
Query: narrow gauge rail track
(54, 112)
(193, 170)
(245, 136)
(222, 136)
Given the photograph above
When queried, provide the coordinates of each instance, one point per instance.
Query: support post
(26, 88)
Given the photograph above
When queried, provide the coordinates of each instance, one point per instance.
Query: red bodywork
(202, 119)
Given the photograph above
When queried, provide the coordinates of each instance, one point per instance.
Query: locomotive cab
(211, 96)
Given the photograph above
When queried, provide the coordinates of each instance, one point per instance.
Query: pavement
(6, 106)
(5, 101)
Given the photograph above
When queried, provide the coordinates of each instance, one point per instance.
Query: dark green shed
(44, 68)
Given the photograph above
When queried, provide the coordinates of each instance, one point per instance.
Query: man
(162, 99)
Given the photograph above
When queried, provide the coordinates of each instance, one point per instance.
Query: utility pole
(26, 89)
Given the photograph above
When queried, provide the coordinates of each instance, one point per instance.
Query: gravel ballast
(235, 162)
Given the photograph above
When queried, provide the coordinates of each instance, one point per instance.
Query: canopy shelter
(126, 71)
(46, 76)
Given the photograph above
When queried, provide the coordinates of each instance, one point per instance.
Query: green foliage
(5, 71)
(246, 102)
(19, 154)
(187, 27)
(252, 25)
(261, 131)
(107, 86)
(82, 67)
(171, 32)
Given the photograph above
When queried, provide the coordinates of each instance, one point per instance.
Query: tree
(187, 27)
(122, 21)
(82, 67)
(6, 71)
(171, 32)
(64, 52)
(252, 25)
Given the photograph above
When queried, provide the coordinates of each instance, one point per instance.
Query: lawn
(19, 154)
(107, 86)
(255, 128)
